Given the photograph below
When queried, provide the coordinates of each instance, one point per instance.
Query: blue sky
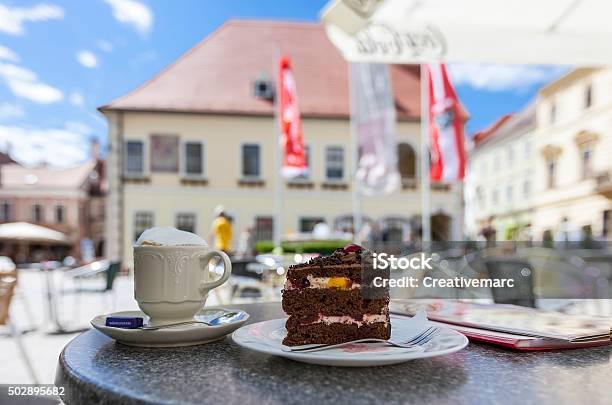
(60, 60)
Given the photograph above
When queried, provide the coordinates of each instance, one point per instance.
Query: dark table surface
(96, 370)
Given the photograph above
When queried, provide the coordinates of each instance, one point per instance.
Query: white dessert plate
(180, 335)
(266, 337)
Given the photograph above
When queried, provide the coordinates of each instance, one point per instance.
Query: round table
(94, 369)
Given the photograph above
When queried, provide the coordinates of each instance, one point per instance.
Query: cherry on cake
(327, 303)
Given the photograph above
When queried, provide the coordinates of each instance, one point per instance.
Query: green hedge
(324, 247)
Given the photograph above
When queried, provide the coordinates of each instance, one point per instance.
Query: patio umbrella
(26, 232)
(566, 32)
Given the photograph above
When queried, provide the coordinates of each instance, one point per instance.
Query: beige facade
(163, 196)
(499, 178)
(574, 150)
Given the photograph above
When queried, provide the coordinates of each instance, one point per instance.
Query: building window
(264, 227)
(134, 158)
(59, 214)
(509, 192)
(194, 159)
(186, 222)
(143, 220)
(5, 211)
(588, 96)
(553, 113)
(406, 161)
(251, 160)
(480, 197)
(526, 188)
(586, 162)
(551, 171)
(527, 149)
(307, 224)
(494, 197)
(37, 213)
(334, 163)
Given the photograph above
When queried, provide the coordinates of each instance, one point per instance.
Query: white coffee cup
(171, 283)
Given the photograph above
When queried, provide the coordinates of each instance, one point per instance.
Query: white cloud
(134, 13)
(76, 98)
(24, 83)
(12, 19)
(87, 59)
(8, 54)
(78, 127)
(104, 45)
(496, 78)
(8, 110)
(59, 147)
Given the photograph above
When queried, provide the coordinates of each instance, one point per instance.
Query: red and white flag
(294, 160)
(446, 119)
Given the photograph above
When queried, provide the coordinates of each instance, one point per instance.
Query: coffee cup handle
(227, 269)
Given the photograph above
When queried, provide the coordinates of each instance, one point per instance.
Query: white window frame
(133, 224)
(145, 159)
(334, 180)
(183, 159)
(241, 161)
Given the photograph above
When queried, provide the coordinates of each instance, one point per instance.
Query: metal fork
(419, 340)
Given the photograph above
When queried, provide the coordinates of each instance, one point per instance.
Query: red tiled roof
(216, 75)
(486, 133)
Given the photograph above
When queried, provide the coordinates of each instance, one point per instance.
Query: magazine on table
(512, 326)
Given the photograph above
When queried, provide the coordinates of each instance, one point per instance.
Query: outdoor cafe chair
(8, 282)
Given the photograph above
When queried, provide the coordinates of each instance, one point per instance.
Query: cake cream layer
(331, 302)
(365, 319)
(342, 283)
(322, 333)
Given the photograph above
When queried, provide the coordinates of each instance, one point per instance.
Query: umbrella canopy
(566, 32)
(26, 232)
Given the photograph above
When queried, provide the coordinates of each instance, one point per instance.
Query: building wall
(500, 183)
(562, 139)
(165, 195)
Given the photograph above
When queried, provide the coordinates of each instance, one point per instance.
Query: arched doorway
(406, 162)
(440, 227)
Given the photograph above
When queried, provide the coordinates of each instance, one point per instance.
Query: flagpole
(278, 187)
(356, 192)
(425, 180)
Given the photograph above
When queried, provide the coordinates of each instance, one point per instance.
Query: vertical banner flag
(373, 116)
(294, 159)
(446, 118)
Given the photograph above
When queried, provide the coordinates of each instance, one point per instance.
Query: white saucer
(266, 337)
(181, 335)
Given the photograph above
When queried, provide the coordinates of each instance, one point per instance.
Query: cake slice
(329, 301)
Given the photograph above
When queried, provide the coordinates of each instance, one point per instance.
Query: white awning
(565, 32)
(26, 232)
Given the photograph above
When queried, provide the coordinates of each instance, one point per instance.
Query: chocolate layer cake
(326, 304)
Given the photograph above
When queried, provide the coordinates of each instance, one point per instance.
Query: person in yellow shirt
(222, 230)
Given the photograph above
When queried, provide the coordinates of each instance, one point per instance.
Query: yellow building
(574, 149)
(202, 133)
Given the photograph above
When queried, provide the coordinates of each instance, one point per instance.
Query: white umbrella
(26, 232)
(567, 32)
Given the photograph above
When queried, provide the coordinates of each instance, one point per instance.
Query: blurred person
(488, 232)
(222, 230)
(246, 242)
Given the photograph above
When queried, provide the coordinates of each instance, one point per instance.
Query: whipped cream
(367, 319)
(169, 236)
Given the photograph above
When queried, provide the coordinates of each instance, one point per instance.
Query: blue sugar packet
(124, 322)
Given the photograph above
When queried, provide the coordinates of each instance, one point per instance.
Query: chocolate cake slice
(329, 301)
